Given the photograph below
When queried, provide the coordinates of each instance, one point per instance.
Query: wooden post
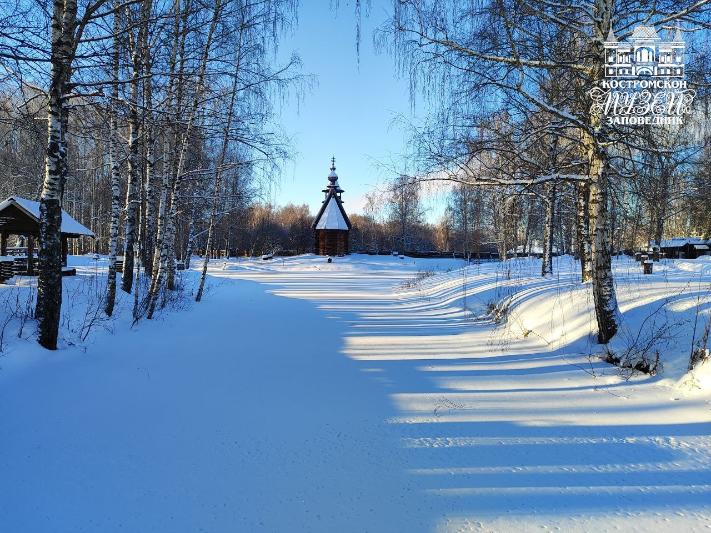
(3, 243)
(30, 253)
(65, 250)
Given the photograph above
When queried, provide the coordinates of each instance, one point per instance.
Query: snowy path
(236, 416)
(325, 398)
(509, 435)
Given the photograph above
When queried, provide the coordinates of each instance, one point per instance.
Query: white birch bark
(547, 263)
(131, 220)
(159, 253)
(137, 255)
(582, 230)
(605, 298)
(151, 191)
(189, 243)
(604, 294)
(49, 282)
(115, 173)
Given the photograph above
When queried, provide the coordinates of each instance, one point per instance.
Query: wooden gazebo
(20, 216)
(331, 227)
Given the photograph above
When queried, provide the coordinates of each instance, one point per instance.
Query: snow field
(519, 425)
(369, 394)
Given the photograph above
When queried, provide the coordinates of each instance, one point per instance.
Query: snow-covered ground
(369, 394)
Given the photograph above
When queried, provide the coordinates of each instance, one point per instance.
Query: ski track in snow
(344, 397)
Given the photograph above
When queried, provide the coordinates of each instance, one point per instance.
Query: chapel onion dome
(333, 179)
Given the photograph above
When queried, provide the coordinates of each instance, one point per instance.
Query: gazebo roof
(31, 209)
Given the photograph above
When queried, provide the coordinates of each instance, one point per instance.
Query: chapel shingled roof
(332, 215)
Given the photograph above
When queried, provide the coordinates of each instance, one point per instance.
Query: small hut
(331, 227)
(20, 216)
(685, 247)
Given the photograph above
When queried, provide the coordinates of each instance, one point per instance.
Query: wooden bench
(20, 266)
(7, 269)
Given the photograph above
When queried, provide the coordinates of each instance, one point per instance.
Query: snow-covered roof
(678, 242)
(534, 248)
(332, 217)
(32, 208)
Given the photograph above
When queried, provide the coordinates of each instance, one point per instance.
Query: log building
(331, 226)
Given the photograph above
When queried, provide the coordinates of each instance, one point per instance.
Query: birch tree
(483, 57)
(148, 73)
(134, 181)
(66, 34)
(221, 158)
(115, 167)
(166, 251)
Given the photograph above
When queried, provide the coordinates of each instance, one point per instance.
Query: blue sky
(348, 113)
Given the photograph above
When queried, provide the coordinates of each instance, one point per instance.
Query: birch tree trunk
(527, 234)
(131, 221)
(547, 263)
(137, 254)
(159, 259)
(115, 173)
(210, 230)
(189, 243)
(606, 310)
(501, 225)
(150, 193)
(170, 263)
(49, 282)
(151, 197)
(141, 52)
(663, 202)
(582, 230)
(181, 136)
(166, 161)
